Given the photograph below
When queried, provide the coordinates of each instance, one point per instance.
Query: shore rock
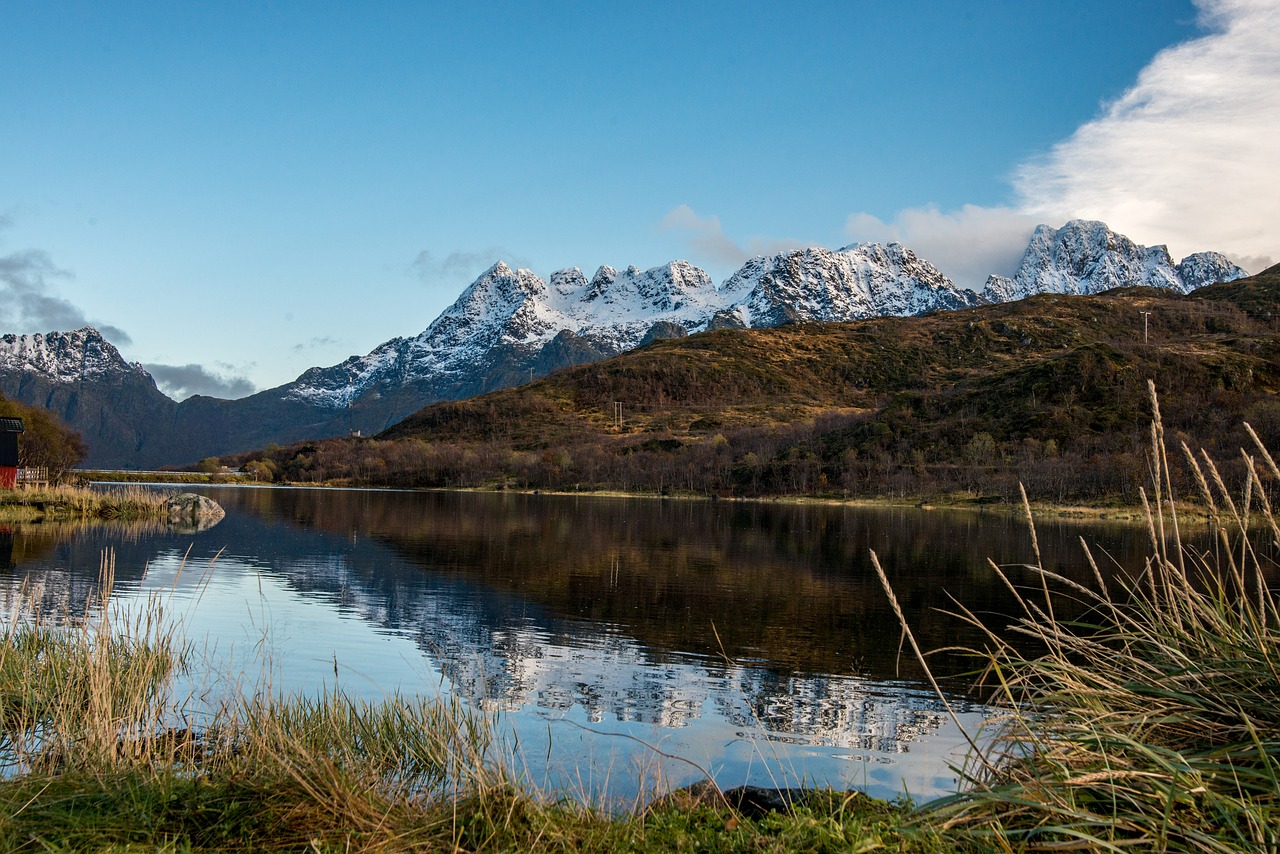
(187, 510)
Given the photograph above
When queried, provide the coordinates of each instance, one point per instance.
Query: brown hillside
(1049, 391)
(1019, 359)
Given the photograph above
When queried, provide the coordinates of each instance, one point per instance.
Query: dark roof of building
(12, 425)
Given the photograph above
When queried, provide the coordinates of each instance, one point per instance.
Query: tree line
(47, 442)
(903, 452)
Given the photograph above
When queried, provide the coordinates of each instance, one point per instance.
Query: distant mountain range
(511, 325)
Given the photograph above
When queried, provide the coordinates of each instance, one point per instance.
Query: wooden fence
(32, 477)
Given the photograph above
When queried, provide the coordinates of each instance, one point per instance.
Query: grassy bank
(97, 755)
(1151, 724)
(78, 502)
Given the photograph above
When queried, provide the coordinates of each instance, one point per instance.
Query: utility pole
(1146, 316)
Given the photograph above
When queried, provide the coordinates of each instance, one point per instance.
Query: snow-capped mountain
(507, 318)
(66, 357)
(854, 283)
(82, 378)
(511, 325)
(1086, 257)
(511, 321)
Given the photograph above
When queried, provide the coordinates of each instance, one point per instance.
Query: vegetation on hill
(47, 442)
(1046, 391)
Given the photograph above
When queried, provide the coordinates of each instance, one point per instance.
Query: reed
(118, 502)
(73, 691)
(1153, 722)
(97, 754)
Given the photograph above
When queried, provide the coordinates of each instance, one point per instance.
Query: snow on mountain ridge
(1207, 268)
(65, 356)
(507, 318)
(858, 281)
(516, 313)
(1087, 257)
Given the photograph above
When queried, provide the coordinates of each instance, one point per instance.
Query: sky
(233, 192)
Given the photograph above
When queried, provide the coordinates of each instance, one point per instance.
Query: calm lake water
(749, 639)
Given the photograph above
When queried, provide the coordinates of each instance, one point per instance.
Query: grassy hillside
(1049, 391)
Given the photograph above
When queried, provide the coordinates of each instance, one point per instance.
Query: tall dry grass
(97, 757)
(72, 691)
(1152, 723)
(117, 502)
(94, 747)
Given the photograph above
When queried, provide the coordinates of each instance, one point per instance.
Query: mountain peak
(567, 281)
(600, 282)
(509, 325)
(65, 356)
(1207, 268)
(859, 281)
(1087, 257)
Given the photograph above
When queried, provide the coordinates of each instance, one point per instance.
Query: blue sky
(235, 192)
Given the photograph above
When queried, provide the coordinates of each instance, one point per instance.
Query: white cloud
(967, 245)
(460, 266)
(319, 342)
(183, 381)
(29, 304)
(706, 238)
(1188, 155)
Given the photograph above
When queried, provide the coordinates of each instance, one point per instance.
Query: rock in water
(187, 510)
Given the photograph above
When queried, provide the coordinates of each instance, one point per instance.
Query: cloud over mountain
(28, 302)
(968, 244)
(183, 381)
(1187, 155)
(707, 239)
(460, 266)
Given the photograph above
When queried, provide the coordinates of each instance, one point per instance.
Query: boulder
(198, 512)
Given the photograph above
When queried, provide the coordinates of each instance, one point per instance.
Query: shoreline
(1102, 511)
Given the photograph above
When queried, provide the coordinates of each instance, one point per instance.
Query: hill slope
(1050, 389)
(511, 325)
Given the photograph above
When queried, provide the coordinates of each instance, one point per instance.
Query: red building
(9, 430)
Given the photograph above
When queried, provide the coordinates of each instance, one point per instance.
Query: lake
(623, 644)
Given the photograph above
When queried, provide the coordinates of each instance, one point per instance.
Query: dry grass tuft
(119, 502)
(74, 693)
(1154, 722)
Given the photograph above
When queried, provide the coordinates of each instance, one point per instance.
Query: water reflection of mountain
(834, 711)
(656, 612)
(59, 589)
(788, 586)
